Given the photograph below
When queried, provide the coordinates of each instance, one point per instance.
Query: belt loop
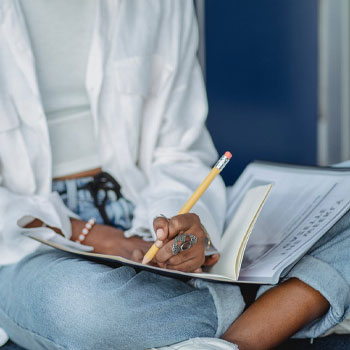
(72, 194)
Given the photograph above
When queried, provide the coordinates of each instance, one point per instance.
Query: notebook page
(236, 235)
(303, 205)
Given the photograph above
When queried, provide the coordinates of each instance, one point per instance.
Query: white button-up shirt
(149, 107)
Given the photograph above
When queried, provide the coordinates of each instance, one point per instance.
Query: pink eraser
(228, 155)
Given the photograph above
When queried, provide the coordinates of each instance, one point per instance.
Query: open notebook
(276, 214)
(235, 240)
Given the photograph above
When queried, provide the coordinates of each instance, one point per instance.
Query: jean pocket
(120, 213)
(86, 209)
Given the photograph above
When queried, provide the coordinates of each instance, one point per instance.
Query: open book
(275, 214)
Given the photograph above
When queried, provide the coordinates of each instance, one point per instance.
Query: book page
(236, 236)
(303, 205)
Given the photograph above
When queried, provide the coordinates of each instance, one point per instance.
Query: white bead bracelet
(85, 231)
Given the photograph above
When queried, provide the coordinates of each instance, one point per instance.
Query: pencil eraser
(228, 155)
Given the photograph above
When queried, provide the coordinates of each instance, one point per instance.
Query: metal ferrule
(221, 163)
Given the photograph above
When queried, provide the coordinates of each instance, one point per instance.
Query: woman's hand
(111, 241)
(189, 260)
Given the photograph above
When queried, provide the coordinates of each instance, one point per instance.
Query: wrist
(77, 227)
(38, 223)
(86, 233)
(34, 223)
(104, 239)
(86, 230)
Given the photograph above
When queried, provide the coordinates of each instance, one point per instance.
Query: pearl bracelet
(85, 231)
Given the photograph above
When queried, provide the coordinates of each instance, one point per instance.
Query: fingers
(167, 229)
(211, 260)
(161, 228)
(191, 265)
(188, 260)
(137, 255)
(166, 254)
(183, 223)
(187, 266)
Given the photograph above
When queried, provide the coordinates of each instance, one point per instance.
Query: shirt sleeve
(184, 152)
(16, 211)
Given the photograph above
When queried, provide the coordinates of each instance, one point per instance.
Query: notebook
(276, 213)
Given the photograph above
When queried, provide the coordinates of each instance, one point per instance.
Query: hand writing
(190, 260)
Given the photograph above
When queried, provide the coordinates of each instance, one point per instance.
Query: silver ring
(161, 216)
(183, 242)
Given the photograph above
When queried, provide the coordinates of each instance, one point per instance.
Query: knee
(83, 315)
(75, 317)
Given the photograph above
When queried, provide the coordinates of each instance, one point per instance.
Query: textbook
(276, 213)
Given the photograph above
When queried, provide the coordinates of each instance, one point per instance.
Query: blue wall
(261, 62)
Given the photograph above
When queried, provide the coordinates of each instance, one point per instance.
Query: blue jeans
(54, 300)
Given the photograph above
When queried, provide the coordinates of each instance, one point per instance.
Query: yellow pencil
(221, 163)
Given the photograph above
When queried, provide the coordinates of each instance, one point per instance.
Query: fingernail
(158, 243)
(215, 256)
(160, 233)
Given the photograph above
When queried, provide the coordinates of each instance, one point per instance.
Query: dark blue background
(261, 69)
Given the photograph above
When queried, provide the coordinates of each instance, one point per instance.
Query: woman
(102, 108)
(113, 86)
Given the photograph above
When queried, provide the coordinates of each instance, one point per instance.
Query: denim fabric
(11, 346)
(54, 300)
(80, 201)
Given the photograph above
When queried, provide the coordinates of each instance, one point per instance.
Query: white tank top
(60, 32)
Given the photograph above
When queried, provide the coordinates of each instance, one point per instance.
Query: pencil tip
(145, 260)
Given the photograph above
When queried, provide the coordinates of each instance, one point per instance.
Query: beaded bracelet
(85, 231)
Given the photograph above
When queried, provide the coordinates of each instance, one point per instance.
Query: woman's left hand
(166, 230)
